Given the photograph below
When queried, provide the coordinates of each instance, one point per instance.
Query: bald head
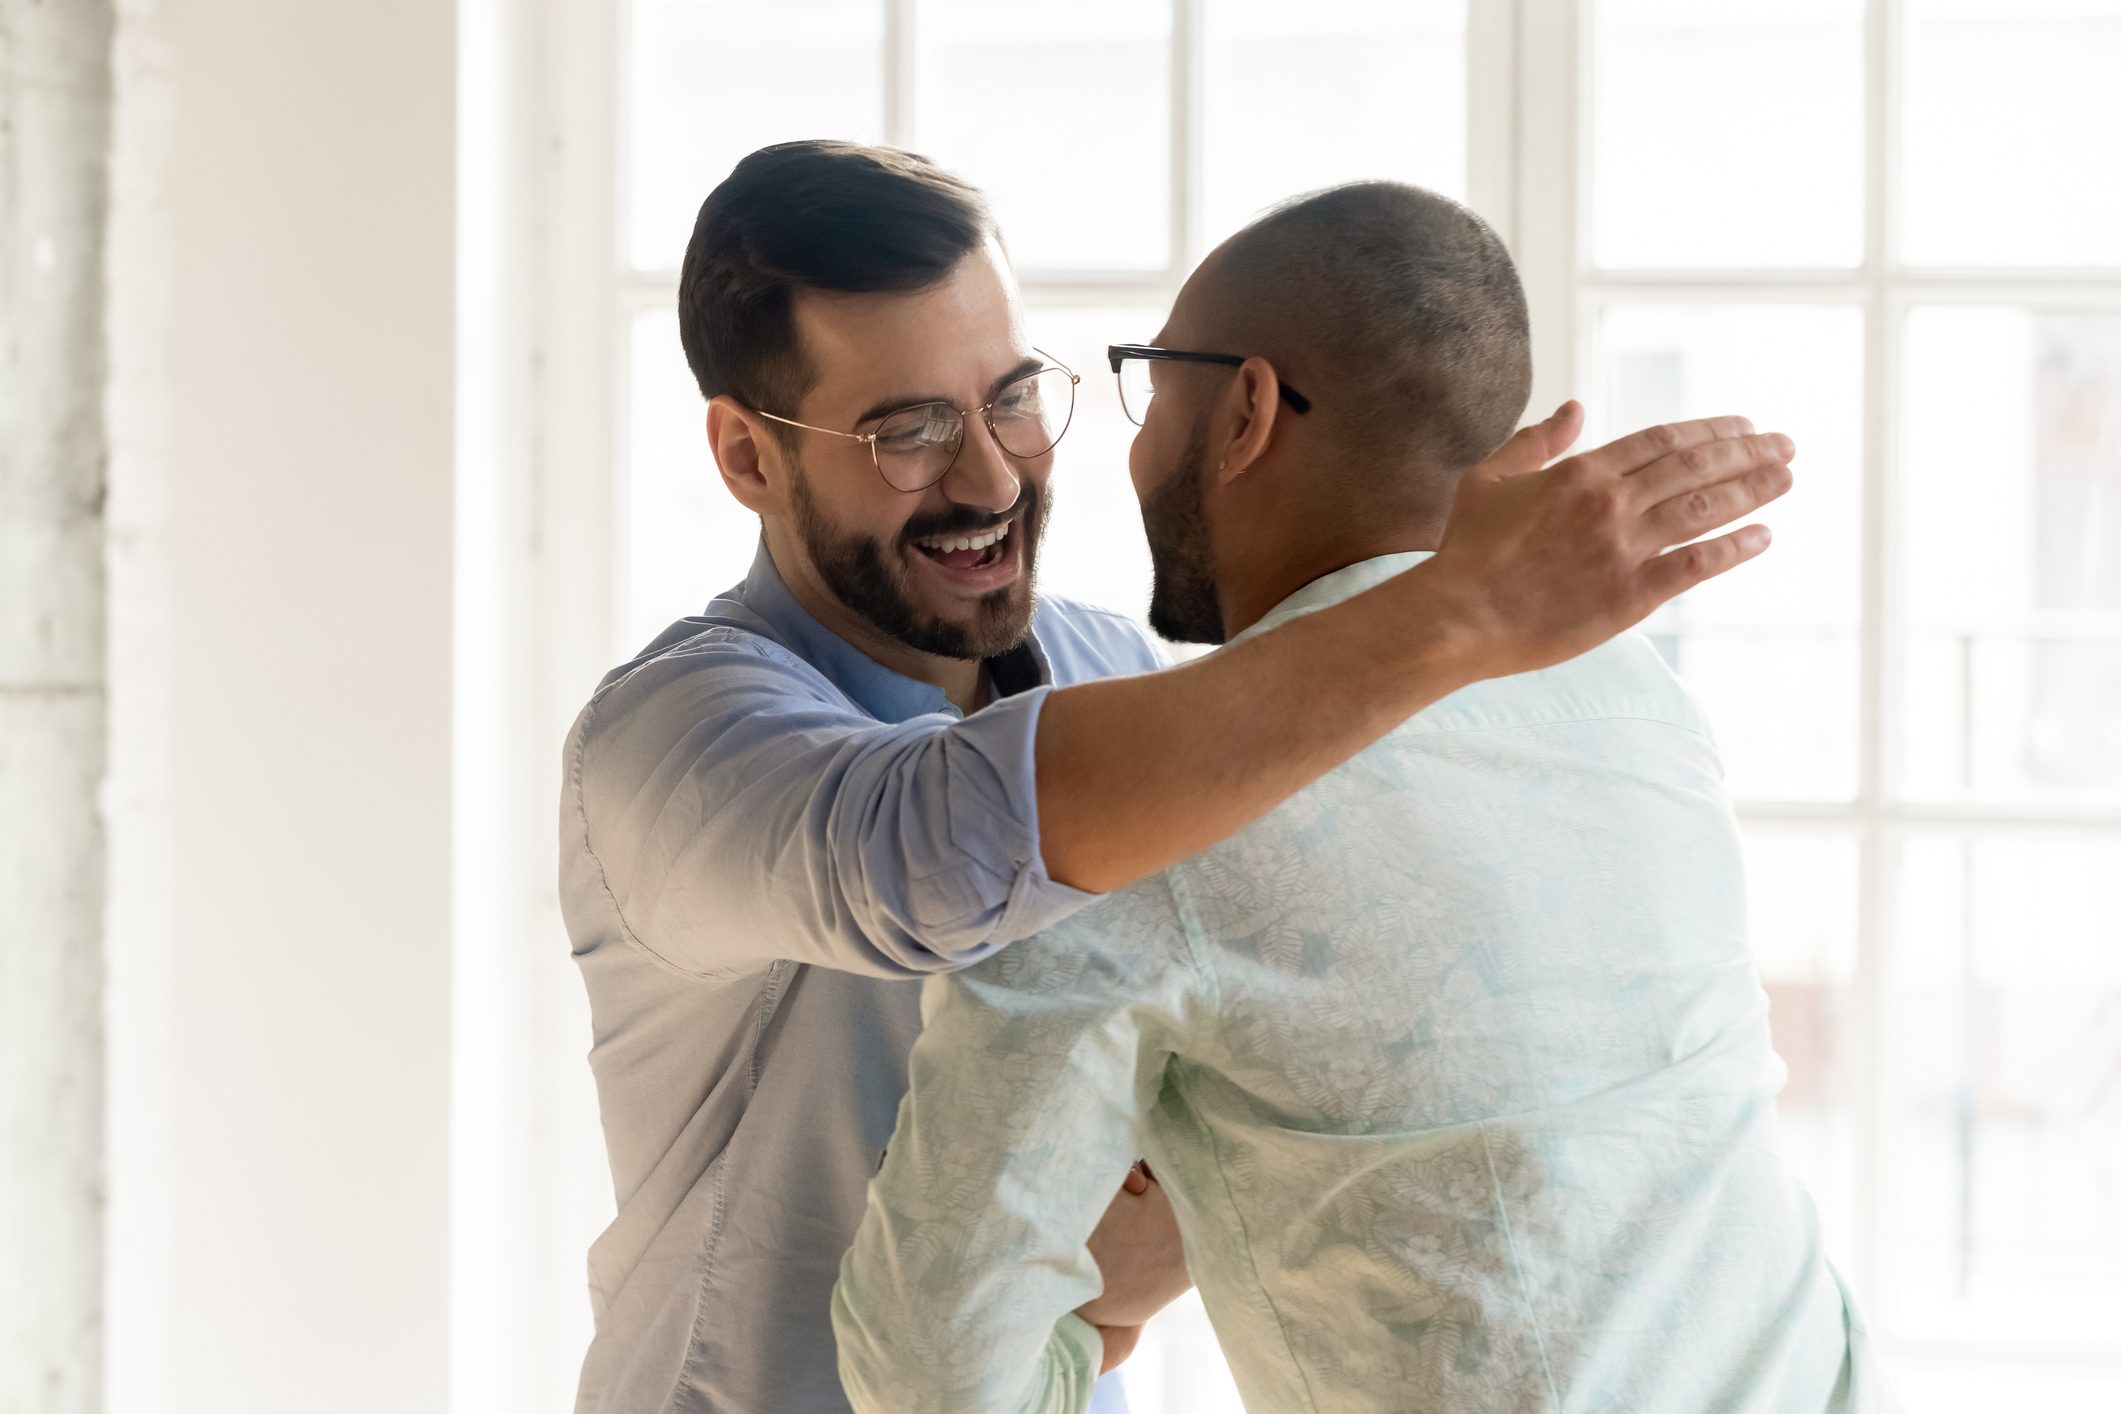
(1397, 311)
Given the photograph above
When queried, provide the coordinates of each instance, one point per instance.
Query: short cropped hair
(1401, 306)
(816, 215)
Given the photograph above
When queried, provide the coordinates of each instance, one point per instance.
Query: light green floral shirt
(1456, 1070)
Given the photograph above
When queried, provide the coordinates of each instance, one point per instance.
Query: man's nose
(982, 475)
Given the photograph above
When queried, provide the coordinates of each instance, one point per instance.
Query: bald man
(1454, 1066)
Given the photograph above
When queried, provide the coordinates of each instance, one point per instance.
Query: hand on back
(1547, 561)
(1138, 1253)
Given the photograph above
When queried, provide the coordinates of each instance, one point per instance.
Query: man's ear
(1253, 402)
(748, 454)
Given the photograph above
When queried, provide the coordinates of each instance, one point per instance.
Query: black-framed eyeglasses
(915, 447)
(1130, 364)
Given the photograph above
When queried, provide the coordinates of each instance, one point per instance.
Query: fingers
(1705, 464)
(1702, 509)
(1676, 571)
(1634, 452)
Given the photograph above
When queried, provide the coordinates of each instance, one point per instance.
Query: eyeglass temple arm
(807, 427)
(1120, 353)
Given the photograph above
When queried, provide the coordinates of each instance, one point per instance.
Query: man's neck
(1251, 587)
(962, 680)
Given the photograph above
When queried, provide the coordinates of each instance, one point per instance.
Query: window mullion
(1492, 115)
(1878, 693)
(1188, 132)
(901, 66)
(1546, 204)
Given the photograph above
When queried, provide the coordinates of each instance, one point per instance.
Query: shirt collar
(1330, 589)
(882, 693)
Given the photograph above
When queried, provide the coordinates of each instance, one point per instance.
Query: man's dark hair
(1397, 311)
(816, 215)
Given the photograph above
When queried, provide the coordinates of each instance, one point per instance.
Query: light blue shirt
(763, 836)
(1455, 1068)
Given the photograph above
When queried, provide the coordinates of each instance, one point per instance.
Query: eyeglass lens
(1135, 388)
(914, 447)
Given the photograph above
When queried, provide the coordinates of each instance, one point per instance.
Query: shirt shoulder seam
(596, 861)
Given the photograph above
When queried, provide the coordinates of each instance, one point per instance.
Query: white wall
(282, 411)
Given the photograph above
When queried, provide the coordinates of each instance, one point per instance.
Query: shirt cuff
(1083, 1347)
(994, 815)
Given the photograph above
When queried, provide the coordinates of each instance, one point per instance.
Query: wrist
(1457, 642)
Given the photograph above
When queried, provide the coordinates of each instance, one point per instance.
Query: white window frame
(1552, 215)
(1529, 114)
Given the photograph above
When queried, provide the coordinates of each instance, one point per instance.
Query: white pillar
(285, 320)
(54, 132)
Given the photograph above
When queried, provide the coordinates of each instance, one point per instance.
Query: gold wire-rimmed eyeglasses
(915, 447)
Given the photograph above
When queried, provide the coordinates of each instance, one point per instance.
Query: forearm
(881, 1378)
(974, 1247)
(1135, 774)
(1535, 567)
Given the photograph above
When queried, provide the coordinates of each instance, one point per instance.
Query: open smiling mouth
(968, 552)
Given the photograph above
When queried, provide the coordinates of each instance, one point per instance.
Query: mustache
(969, 522)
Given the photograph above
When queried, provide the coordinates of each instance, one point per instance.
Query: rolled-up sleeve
(728, 807)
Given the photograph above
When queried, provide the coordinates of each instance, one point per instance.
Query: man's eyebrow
(1027, 364)
(888, 406)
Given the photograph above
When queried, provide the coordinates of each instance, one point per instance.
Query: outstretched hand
(1546, 562)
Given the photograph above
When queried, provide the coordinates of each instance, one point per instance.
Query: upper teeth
(971, 542)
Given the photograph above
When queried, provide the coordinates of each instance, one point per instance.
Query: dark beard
(1183, 605)
(861, 576)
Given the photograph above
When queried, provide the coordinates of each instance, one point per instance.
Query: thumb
(1563, 428)
(1534, 446)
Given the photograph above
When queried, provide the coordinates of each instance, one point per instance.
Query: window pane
(2011, 507)
(1179, 1367)
(686, 538)
(2005, 1223)
(1939, 1385)
(1063, 115)
(1727, 135)
(1770, 648)
(1094, 548)
(715, 79)
(1801, 907)
(1362, 88)
(2011, 130)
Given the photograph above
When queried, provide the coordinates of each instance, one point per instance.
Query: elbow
(899, 944)
(942, 921)
(932, 854)
(862, 1351)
